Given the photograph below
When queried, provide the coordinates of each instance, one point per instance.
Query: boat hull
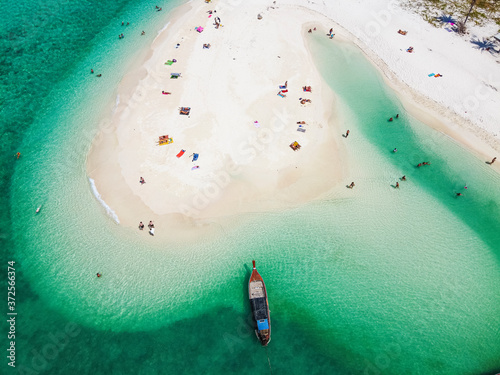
(260, 307)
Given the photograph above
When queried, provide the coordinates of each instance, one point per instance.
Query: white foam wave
(163, 28)
(108, 209)
(117, 102)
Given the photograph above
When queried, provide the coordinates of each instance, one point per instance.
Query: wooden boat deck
(256, 289)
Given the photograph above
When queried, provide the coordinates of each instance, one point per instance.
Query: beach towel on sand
(195, 157)
(181, 153)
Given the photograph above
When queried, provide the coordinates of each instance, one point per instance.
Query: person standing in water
(493, 160)
(347, 133)
(351, 185)
(403, 178)
(397, 185)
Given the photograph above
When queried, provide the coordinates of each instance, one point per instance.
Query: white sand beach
(238, 124)
(241, 128)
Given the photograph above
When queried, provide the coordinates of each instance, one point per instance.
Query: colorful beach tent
(195, 157)
(199, 29)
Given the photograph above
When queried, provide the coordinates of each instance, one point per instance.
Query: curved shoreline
(238, 179)
(235, 174)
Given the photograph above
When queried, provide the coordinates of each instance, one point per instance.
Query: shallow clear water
(373, 280)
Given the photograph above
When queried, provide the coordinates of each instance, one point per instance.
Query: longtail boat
(260, 306)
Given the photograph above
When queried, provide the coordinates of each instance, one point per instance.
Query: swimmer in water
(403, 178)
(98, 274)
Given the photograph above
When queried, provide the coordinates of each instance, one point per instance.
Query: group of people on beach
(330, 33)
(150, 225)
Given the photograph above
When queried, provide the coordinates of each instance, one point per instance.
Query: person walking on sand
(351, 185)
(493, 160)
(397, 185)
(142, 181)
(331, 31)
(141, 226)
(347, 133)
(151, 225)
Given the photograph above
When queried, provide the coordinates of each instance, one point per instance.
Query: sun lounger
(301, 130)
(282, 87)
(175, 75)
(307, 89)
(295, 146)
(195, 157)
(195, 167)
(282, 95)
(185, 110)
(181, 153)
(164, 140)
(402, 32)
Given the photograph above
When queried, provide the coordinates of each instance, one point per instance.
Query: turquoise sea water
(386, 281)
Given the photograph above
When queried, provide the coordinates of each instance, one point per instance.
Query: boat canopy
(262, 324)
